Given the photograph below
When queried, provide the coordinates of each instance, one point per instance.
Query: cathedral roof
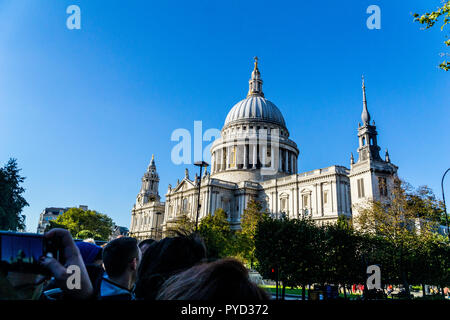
(255, 107)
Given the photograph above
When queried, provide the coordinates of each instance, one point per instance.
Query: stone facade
(255, 159)
(47, 215)
(371, 177)
(147, 213)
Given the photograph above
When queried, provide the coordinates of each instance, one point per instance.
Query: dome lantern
(255, 107)
(255, 82)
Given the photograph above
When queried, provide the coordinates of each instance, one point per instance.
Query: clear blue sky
(84, 110)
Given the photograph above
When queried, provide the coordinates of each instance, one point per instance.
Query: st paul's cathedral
(255, 159)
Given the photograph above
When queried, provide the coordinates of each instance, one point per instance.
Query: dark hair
(225, 279)
(164, 259)
(146, 242)
(118, 253)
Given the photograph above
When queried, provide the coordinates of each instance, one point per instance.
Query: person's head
(165, 258)
(121, 258)
(225, 279)
(144, 244)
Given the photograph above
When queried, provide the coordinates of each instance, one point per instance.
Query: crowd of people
(174, 268)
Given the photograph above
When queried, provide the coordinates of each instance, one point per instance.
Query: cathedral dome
(255, 108)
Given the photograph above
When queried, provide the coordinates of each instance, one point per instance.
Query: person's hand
(72, 257)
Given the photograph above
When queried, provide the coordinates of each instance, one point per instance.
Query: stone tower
(148, 212)
(371, 177)
(150, 183)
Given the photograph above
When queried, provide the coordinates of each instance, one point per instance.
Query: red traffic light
(273, 270)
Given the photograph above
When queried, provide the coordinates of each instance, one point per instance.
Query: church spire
(365, 116)
(150, 183)
(367, 134)
(255, 82)
(152, 164)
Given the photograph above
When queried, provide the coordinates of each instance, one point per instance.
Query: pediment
(185, 184)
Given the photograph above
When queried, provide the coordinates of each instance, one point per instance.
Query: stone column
(132, 223)
(224, 159)
(287, 161)
(227, 165)
(321, 209)
(254, 156)
(295, 164)
(292, 211)
(280, 160)
(272, 157)
(338, 195)
(264, 154)
(237, 155)
(245, 157)
(292, 163)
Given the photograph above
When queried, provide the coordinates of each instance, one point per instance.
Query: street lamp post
(443, 198)
(200, 164)
(157, 220)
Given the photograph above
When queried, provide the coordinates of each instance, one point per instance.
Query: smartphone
(20, 252)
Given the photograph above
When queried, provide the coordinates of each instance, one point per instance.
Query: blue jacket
(110, 290)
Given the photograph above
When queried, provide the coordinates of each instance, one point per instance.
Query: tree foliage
(404, 229)
(429, 19)
(84, 224)
(11, 200)
(291, 250)
(424, 203)
(216, 232)
(245, 238)
(342, 254)
(398, 235)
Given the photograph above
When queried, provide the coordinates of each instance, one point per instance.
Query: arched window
(284, 203)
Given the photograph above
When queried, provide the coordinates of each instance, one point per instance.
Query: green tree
(432, 261)
(429, 19)
(84, 223)
(11, 200)
(424, 202)
(400, 223)
(439, 261)
(87, 234)
(252, 215)
(341, 265)
(293, 248)
(374, 249)
(269, 247)
(216, 232)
